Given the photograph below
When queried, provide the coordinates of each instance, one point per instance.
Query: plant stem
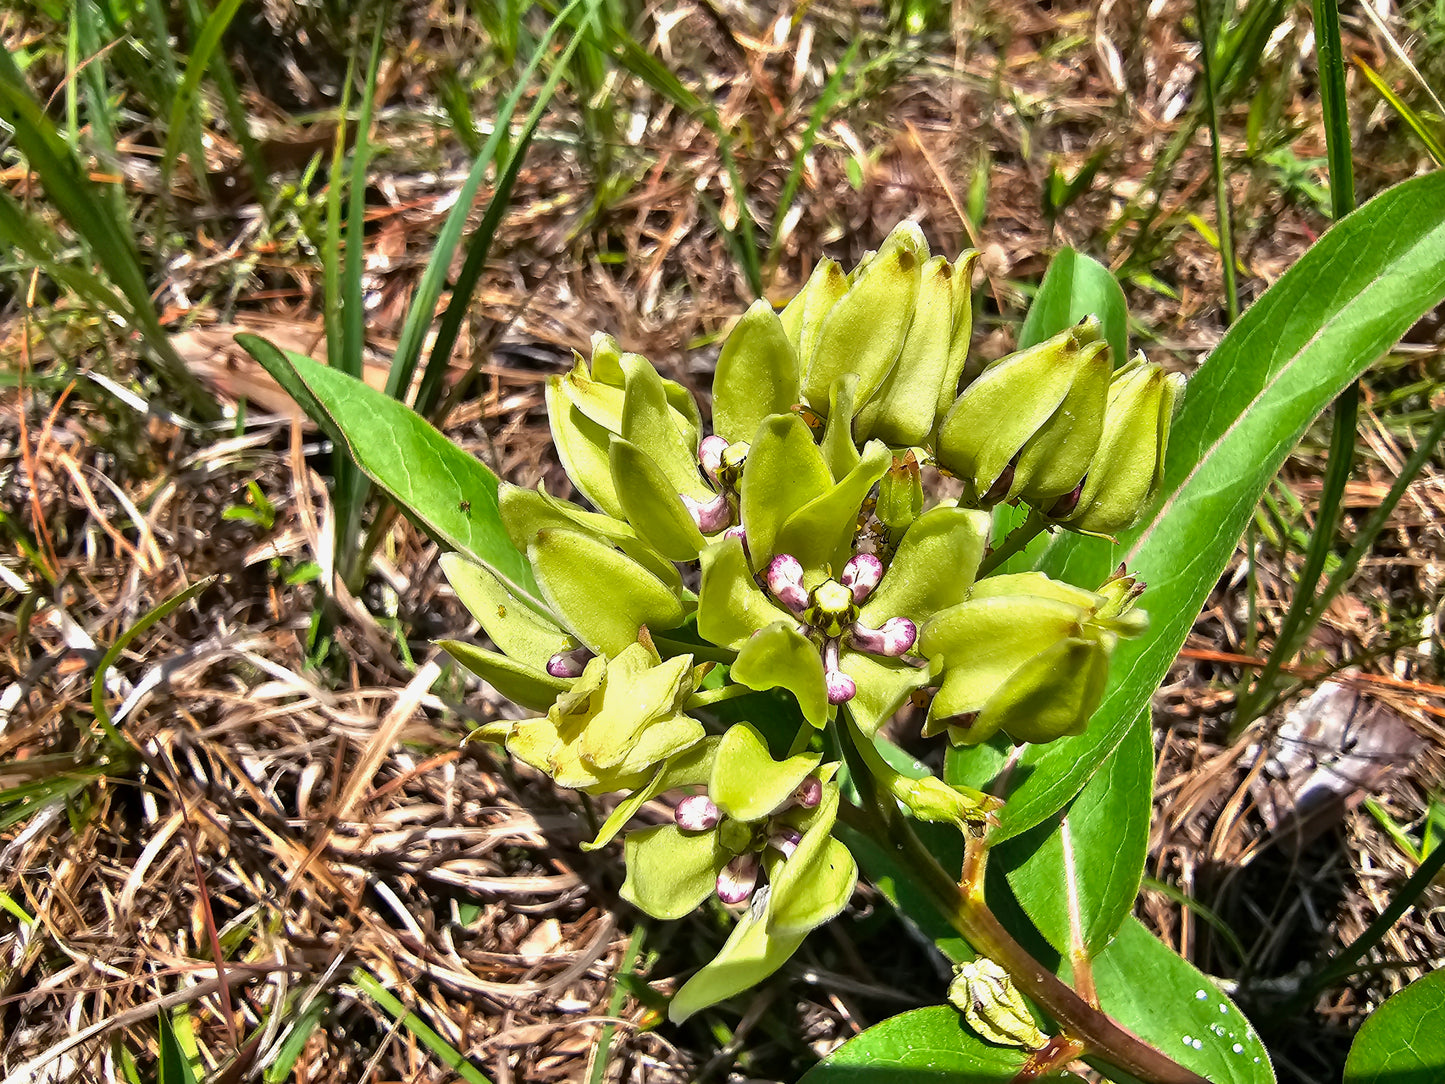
(1016, 542)
(965, 910)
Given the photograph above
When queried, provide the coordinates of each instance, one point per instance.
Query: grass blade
(1296, 626)
(184, 113)
(1208, 34)
(1417, 123)
(419, 1028)
(429, 290)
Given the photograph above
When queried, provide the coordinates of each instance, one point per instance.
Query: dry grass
(311, 810)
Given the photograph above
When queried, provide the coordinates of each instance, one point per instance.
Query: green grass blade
(1221, 178)
(419, 1028)
(173, 1066)
(826, 101)
(185, 122)
(479, 245)
(236, 114)
(433, 280)
(1416, 123)
(300, 1031)
(92, 214)
(1296, 626)
(185, 115)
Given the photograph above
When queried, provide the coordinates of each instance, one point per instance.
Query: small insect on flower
(464, 506)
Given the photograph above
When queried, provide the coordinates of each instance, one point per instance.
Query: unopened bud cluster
(728, 590)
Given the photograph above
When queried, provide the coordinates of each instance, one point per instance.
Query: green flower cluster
(739, 599)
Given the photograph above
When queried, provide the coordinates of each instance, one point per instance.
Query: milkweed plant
(789, 554)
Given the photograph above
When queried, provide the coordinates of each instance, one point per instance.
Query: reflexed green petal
(649, 422)
(600, 401)
(669, 871)
(984, 640)
(780, 657)
(783, 472)
(903, 410)
(750, 955)
(802, 320)
(636, 695)
(993, 419)
(530, 686)
(820, 533)
(863, 333)
(839, 451)
(883, 686)
(1051, 695)
(659, 740)
(757, 374)
(900, 496)
(582, 447)
(1056, 457)
(602, 595)
(688, 768)
(730, 605)
(933, 568)
(653, 507)
(813, 885)
(1037, 585)
(527, 511)
(513, 626)
(958, 362)
(747, 783)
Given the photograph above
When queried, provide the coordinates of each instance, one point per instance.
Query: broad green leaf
(1328, 318)
(1403, 1041)
(1144, 985)
(1076, 286)
(1108, 836)
(453, 494)
(925, 1046)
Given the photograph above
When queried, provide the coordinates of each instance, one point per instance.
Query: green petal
(933, 568)
(750, 955)
(863, 333)
(958, 367)
(1051, 695)
(780, 657)
(1056, 457)
(582, 447)
(730, 605)
(757, 374)
(814, 884)
(653, 507)
(513, 626)
(603, 596)
(649, 422)
(820, 533)
(802, 320)
(903, 411)
(530, 686)
(669, 871)
(688, 768)
(783, 472)
(600, 401)
(883, 685)
(747, 783)
(839, 451)
(637, 693)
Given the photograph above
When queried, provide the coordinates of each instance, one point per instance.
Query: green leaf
(450, 492)
(1327, 319)
(1108, 830)
(925, 1046)
(1403, 1041)
(173, 1067)
(1076, 286)
(1167, 1002)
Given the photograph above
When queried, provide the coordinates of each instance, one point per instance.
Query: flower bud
(1125, 472)
(710, 516)
(809, 792)
(894, 638)
(861, 575)
(709, 455)
(992, 1005)
(785, 580)
(696, 813)
(568, 664)
(738, 879)
(1029, 425)
(785, 840)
